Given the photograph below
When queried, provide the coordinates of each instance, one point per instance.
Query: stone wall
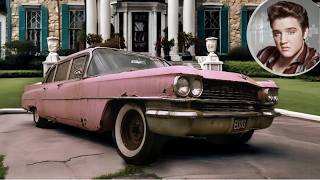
(234, 19)
(54, 9)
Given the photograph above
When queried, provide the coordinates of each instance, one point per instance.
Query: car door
(43, 104)
(56, 100)
(73, 87)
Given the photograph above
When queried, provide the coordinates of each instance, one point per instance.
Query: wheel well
(111, 111)
(31, 108)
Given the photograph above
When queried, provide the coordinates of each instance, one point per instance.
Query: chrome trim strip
(193, 114)
(171, 113)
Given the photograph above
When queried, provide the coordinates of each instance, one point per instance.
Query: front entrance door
(140, 31)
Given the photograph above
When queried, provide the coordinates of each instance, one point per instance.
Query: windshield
(108, 61)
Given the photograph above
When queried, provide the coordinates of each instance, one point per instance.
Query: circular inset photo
(283, 36)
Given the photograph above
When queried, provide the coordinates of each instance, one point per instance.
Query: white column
(105, 19)
(150, 32)
(154, 32)
(163, 26)
(129, 41)
(116, 24)
(189, 19)
(3, 35)
(173, 20)
(125, 28)
(91, 16)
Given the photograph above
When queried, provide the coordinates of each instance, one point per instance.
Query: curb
(13, 111)
(281, 111)
(298, 115)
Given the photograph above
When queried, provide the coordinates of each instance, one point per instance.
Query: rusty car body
(141, 99)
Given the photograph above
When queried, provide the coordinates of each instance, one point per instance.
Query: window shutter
(244, 24)
(224, 29)
(201, 32)
(8, 19)
(22, 23)
(65, 26)
(44, 28)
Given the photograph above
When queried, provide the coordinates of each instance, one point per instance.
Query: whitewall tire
(39, 121)
(135, 143)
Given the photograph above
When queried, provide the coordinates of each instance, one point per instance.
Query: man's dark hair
(284, 9)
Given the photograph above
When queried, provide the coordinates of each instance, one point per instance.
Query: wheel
(237, 139)
(136, 144)
(39, 121)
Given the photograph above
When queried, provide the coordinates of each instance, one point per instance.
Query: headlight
(196, 87)
(181, 86)
(268, 95)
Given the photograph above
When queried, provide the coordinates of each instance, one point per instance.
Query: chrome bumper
(197, 123)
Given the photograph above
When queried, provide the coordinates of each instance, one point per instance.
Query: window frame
(218, 9)
(51, 69)
(74, 8)
(30, 8)
(87, 55)
(68, 70)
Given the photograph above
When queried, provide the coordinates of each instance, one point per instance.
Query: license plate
(239, 124)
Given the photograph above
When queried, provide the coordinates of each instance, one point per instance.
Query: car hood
(206, 74)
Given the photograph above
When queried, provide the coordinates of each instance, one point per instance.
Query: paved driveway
(62, 152)
(290, 148)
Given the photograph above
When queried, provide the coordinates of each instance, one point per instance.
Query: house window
(75, 24)
(33, 28)
(246, 13)
(212, 24)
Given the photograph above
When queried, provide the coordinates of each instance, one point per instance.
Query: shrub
(20, 48)
(66, 52)
(22, 61)
(185, 40)
(20, 73)
(116, 41)
(240, 54)
(93, 39)
(167, 45)
(252, 69)
(249, 68)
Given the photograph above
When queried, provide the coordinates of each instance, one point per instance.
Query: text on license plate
(239, 124)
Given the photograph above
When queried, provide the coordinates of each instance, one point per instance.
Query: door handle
(44, 88)
(60, 84)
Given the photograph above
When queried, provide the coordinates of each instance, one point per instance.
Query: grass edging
(20, 73)
(130, 171)
(3, 169)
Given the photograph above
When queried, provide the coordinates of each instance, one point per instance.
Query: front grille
(227, 96)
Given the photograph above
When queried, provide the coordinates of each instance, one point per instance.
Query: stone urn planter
(211, 62)
(53, 56)
(211, 44)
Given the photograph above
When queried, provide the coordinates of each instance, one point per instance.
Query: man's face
(288, 36)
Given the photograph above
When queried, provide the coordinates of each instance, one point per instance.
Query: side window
(78, 67)
(62, 71)
(50, 75)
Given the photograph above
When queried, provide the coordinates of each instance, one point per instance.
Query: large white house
(140, 22)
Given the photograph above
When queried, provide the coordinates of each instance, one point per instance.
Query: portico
(141, 23)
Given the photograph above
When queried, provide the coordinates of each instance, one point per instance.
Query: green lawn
(299, 95)
(11, 90)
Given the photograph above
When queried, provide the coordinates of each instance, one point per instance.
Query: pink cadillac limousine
(142, 99)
